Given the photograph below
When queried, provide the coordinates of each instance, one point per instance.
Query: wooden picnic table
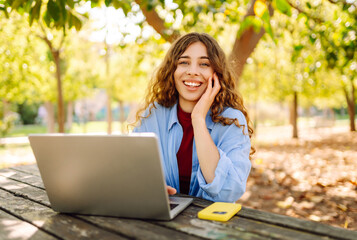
(25, 213)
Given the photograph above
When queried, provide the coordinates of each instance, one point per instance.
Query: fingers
(170, 190)
(216, 85)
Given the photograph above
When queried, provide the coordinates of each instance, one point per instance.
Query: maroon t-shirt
(184, 154)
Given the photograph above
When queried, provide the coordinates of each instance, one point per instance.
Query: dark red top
(184, 154)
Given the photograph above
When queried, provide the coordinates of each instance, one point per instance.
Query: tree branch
(45, 38)
(300, 10)
(154, 20)
(343, 2)
(245, 44)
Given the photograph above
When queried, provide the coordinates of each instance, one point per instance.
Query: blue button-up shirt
(233, 145)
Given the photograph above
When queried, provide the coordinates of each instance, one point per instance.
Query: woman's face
(192, 74)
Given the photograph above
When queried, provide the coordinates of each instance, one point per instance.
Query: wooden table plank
(137, 229)
(21, 176)
(248, 224)
(127, 227)
(293, 223)
(235, 227)
(60, 225)
(14, 228)
(187, 222)
(30, 169)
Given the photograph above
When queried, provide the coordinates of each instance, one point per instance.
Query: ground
(314, 177)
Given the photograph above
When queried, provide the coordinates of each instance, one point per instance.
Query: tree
(23, 61)
(162, 16)
(56, 15)
(335, 25)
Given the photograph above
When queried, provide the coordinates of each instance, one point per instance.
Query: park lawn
(90, 127)
(101, 127)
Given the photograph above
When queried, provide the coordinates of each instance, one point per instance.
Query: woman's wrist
(198, 122)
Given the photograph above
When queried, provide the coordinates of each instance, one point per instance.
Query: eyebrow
(203, 57)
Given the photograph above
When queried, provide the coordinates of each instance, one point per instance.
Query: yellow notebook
(219, 211)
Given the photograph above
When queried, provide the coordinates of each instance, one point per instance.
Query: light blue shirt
(233, 167)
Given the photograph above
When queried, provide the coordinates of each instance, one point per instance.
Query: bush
(6, 124)
(28, 112)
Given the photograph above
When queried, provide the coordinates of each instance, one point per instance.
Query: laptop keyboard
(173, 205)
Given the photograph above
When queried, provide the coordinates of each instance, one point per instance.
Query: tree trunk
(56, 57)
(60, 115)
(109, 90)
(6, 108)
(294, 116)
(109, 112)
(245, 44)
(69, 115)
(122, 116)
(50, 117)
(351, 106)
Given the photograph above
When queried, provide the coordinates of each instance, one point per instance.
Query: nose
(192, 70)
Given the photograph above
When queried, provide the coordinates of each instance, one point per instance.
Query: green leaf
(77, 22)
(47, 19)
(17, 3)
(28, 5)
(267, 26)
(283, 6)
(298, 47)
(246, 24)
(94, 3)
(308, 5)
(108, 2)
(53, 10)
(70, 3)
(257, 25)
(312, 39)
(35, 11)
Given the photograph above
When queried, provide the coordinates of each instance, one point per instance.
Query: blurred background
(83, 67)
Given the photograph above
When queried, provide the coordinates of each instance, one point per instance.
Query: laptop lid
(111, 175)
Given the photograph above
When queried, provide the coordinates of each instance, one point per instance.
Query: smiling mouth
(192, 84)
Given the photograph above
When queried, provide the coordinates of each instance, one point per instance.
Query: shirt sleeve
(233, 167)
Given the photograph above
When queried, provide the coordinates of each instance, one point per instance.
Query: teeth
(192, 84)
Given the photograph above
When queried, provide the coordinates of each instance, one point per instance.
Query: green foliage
(311, 57)
(23, 69)
(59, 14)
(27, 112)
(283, 6)
(311, 48)
(6, 124)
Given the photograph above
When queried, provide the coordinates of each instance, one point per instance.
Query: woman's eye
(183, 63)
(205, 64)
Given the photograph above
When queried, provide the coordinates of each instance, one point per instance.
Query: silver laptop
(108, 175)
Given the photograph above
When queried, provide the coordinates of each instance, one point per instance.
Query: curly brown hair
(162, 89)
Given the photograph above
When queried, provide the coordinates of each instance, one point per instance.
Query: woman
(200, 120)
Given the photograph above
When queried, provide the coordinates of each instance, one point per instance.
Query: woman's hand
(201, 108)
(170, 190)
(207, 152)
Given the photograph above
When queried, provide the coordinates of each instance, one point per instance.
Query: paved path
(14, 140)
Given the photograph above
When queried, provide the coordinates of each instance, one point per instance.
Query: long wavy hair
(162, 88)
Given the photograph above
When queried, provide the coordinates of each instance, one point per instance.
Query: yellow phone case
(219, 211)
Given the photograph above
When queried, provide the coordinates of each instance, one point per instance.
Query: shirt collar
(173, 119)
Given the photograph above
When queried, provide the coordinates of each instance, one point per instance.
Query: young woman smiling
(202, 124)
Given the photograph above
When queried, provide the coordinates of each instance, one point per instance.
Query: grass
(101, 127)
(90, 127)
(24, 130)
